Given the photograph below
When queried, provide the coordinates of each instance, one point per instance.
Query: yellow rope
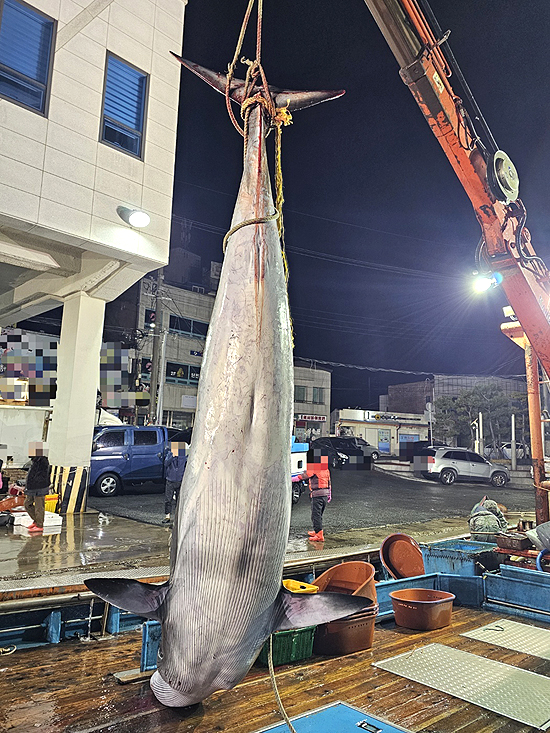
(275, 689)
(283, 117)
(278, 118)
(248, 222)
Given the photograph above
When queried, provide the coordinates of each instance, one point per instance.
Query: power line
(301, 251)
(362, 367)
(329, 219)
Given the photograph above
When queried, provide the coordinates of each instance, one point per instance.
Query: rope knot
(282, 116)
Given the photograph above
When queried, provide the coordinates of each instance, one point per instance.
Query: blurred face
(319, 462)
(178, 449)
(37, 449)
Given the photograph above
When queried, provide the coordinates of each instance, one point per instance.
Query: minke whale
(225, 596)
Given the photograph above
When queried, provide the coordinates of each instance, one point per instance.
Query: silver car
(459, 464)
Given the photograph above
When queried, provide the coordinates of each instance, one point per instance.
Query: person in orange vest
(319, 491)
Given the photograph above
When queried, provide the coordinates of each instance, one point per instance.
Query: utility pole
(481, 438)
(161, 376)
(513, 444)
(157, 331)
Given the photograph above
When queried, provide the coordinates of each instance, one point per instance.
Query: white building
(88, 110)
(386, 431)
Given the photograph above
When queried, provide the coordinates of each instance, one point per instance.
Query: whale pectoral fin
(295, 610)
(144, 599)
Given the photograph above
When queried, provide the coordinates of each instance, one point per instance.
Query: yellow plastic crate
(51, 502)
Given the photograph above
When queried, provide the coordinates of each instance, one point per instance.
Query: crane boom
(486, 173)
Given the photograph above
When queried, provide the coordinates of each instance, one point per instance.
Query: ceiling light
(133, 217)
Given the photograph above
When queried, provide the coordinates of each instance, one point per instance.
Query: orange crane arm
(486, 173)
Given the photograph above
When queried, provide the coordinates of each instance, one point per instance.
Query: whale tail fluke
(296, 610)
(143, 599)
(291, 100)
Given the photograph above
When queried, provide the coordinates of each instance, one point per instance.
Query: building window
(299, 393)
(319, 395)
(124, 98)
(146, 368)
(188, 327)
(26, 51)
(182, 373)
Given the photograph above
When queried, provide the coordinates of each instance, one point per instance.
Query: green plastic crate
(289, 646)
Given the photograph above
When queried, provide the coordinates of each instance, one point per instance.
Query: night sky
(380, 234)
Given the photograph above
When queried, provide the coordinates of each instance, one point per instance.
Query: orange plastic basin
(352, 578)
(422, 608)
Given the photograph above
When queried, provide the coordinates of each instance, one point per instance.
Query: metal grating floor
(516, 636)
(78, 578)
(516, 693)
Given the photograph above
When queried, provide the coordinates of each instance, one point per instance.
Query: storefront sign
(312, 418)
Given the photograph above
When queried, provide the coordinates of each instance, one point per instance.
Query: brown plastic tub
(352, 578)
(422, 608)
(347, 635)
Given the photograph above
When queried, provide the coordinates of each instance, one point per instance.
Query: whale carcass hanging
(224, 597)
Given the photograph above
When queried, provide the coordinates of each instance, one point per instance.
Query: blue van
(126, 455)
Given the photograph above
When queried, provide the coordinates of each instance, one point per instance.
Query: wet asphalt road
(360, 499)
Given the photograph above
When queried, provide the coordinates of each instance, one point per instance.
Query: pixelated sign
(28, 367)
(28, 371)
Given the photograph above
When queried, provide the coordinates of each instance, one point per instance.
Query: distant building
(413, 396)
(385, 430)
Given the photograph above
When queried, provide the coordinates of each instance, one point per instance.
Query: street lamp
(134, 217)
(483, 283)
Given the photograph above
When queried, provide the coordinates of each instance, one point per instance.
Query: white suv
(459, 464)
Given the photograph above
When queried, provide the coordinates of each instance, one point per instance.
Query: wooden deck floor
(70, 688)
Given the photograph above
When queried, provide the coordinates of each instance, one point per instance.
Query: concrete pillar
(71, 432)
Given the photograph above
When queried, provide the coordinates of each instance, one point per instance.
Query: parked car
(459, 464)
(127, 455)
(336, 457)
(352, 446)
(504, 450)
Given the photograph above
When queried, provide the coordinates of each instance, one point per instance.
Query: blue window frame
(182, 373)
(26, 52)
(122, 124)
(188, 326)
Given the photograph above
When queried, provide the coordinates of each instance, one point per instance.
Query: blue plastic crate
(338, 717)
(460, 557)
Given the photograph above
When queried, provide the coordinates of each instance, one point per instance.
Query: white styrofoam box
(50, 519)
(24, 532)
(22, 518)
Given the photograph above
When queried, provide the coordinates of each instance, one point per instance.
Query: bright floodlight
(133, 217)
(483, 283)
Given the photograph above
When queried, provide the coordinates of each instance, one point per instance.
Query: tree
(455, 416)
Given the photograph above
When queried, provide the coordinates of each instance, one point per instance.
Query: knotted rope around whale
(277, 116)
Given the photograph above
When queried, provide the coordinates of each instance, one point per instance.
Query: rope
(231, 67)
(248, 222)
(283, 118)
(275, 690)
(4, 651)
(278, 117)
